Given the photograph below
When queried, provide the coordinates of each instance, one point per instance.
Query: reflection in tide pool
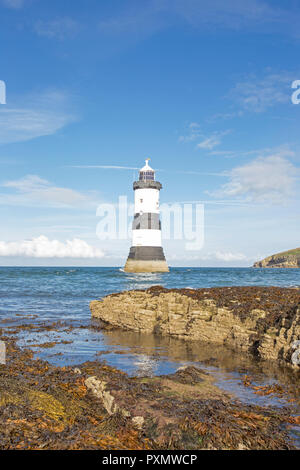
(145, 365)
(141, 354)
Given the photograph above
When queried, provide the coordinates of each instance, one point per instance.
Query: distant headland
(286, 259)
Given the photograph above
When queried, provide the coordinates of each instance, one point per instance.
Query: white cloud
(33, 190)
(42, 247)
(228, 256)
(265, 179)
(34, 116)
(59, 28)
(14, 4)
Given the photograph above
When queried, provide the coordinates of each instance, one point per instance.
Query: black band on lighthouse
(146, 253)
(146, 221)
(147, 185)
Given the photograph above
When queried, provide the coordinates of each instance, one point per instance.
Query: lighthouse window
(141, 200)
(146, 175)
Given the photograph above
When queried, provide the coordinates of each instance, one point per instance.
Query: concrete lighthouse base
(146, 259)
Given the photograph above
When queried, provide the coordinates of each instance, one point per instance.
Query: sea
(60, 296)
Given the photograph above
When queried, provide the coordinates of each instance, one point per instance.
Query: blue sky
(202, 87)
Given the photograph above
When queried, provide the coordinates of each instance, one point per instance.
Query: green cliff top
(285, 259)
(295, 252)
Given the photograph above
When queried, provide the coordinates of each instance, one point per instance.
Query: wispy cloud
(60, 28)
(282, 150)
(219, 255)
(126, 168)
(225, 116)
(212, 141)
(227, 256)
(14, 4)
(34, 116)
(232, 14)
(138, 20)
(192, 132)
(35, 191)
(203, 140)
(268, 179)
(199, 173)
(142, 19)
(257, 94)
(228, 202)
(106, 167)
(42, 247)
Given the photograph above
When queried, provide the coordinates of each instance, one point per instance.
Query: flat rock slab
(261, 320)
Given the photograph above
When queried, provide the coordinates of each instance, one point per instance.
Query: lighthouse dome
(147, 173)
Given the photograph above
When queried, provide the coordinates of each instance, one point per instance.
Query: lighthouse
(146, 253)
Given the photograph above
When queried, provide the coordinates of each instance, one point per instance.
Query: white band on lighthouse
(146, 253)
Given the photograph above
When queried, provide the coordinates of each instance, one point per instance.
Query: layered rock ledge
(261, 320)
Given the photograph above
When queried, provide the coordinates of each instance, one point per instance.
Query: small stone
(295, 359)
(138, 421)
(296, 344)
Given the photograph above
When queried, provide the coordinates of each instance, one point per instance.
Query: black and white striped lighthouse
(146, 253)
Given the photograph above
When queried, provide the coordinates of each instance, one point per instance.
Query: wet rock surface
(262, 320)
(94, 406)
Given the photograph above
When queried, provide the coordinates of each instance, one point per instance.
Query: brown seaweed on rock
(278, 302)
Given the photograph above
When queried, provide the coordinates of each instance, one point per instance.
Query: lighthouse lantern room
(146, 253)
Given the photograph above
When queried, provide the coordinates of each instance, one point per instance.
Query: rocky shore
(95, 406)
(264, 321)
(286, 259)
